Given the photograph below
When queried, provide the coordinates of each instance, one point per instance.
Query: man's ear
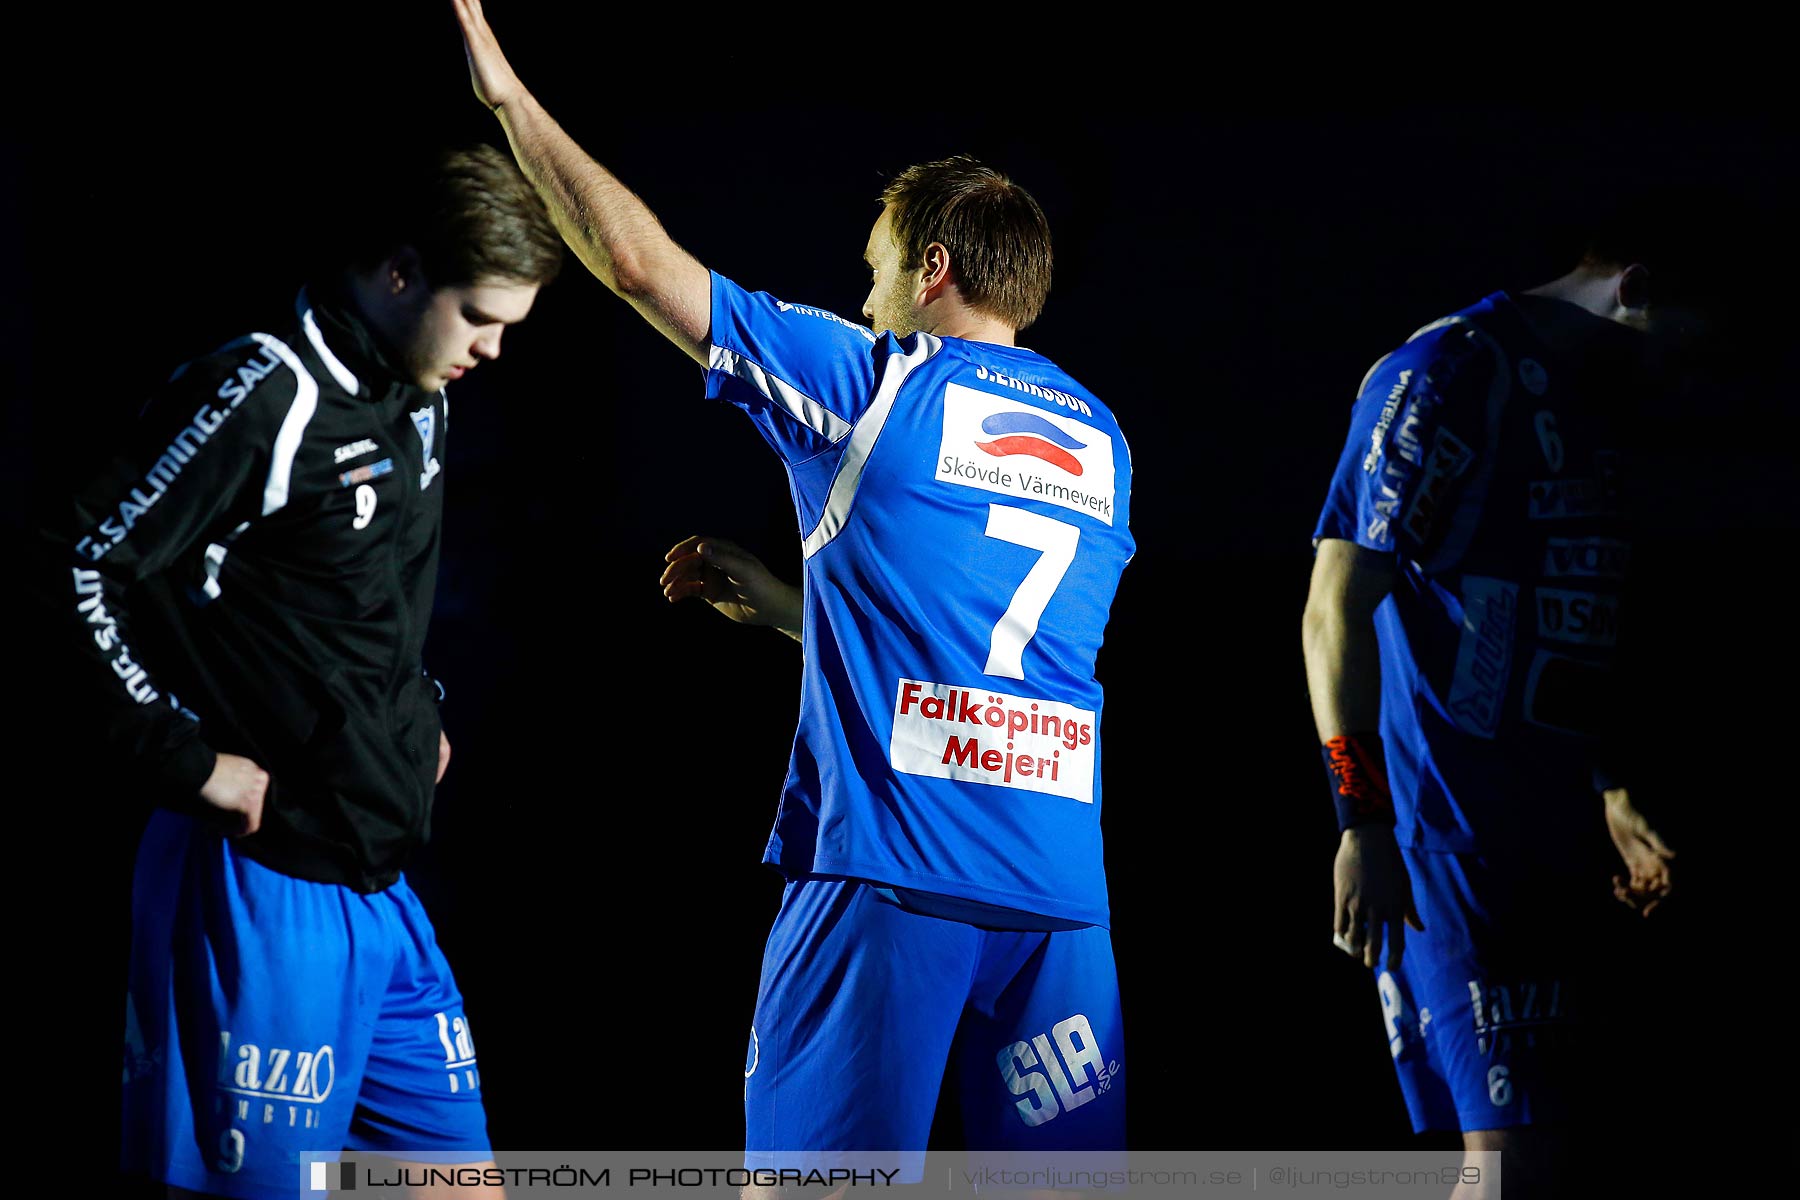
(402, 272)
(934, 272)
(1633, 289)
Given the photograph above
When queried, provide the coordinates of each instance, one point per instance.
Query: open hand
(493, 78)
(732, 580)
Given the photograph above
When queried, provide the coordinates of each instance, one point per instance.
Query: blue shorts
(1481, 1014)
(270, 1016)
(861, 1001)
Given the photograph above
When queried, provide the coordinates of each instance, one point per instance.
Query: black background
(1227, 268)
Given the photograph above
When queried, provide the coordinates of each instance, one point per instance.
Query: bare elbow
(1317, 621)
(629, 279)
(1348, 585)
(1311, 617)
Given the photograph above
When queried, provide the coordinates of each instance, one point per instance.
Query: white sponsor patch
(1596, 557)
(1450, 457)
(1016, 449)
(1586, 618)
(982, 736)
(1484, 654)
(1552, 499)
(354, 450)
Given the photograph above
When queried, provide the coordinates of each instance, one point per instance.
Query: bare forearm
(611, 230)
(1343, 670)
(788, 613)
(1343, 657)
(598, 216)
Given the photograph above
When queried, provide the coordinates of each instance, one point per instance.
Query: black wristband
(1359, 789)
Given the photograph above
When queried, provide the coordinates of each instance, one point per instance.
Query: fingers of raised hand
(728, 556)
(683, 548)
(688, 567)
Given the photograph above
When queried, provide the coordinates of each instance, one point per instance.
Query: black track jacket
(254, 574)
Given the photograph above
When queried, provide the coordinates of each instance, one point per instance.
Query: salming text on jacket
(254, 575)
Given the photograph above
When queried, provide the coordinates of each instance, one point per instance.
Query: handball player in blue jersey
(963, 511)
(1459, 636)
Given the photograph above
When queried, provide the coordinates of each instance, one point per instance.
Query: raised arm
(612, 231)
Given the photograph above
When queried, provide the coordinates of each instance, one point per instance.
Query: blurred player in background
(1459, 636)
(963, 510)
(253, 578)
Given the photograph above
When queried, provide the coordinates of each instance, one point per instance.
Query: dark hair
(1619, 233)
(1673, 229)
(470, 215)
(998, 239)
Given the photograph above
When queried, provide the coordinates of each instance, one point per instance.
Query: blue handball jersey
(1491, 471)
(963, 510)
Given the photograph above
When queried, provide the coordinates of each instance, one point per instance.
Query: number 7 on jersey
(1018, 625)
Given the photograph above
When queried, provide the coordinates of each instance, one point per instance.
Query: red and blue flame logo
(1028, 433)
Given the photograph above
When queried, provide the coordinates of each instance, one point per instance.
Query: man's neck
(1572, 311)
(1590, 291)
(961, 321)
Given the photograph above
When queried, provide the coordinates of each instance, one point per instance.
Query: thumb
(1654, 841)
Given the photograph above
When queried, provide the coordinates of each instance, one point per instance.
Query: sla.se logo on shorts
(1062, 1085)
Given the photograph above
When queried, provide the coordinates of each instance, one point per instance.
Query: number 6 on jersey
(1018, 625)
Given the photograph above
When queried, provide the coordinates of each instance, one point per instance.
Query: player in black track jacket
(279, 504)
(252, 581)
